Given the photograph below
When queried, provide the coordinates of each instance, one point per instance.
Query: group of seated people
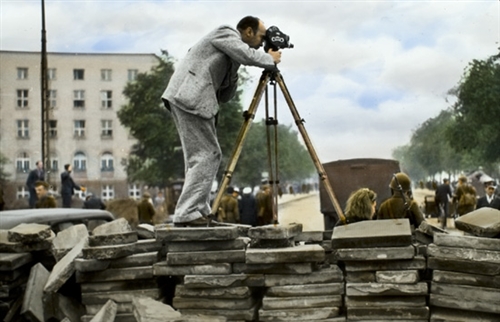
(362, 204)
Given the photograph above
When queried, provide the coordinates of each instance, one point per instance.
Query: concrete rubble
(366, 271)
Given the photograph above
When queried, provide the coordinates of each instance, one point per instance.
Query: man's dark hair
(249, 21)
(66, 166)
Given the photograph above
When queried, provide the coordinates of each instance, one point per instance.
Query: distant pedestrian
(37, 174)
(465, 196)
(248, 208)
(145, 209)
(92, 202)
(265, 206)
(228, 208)
(442, 199)
(490, 199)
(68, 186)
(44, 199)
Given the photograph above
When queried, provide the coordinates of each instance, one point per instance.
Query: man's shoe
(199, 222)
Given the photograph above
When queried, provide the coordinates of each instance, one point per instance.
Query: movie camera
(276, 39)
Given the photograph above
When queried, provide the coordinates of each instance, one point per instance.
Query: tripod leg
(249, 116)
(300, 124)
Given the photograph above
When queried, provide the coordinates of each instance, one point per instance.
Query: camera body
(275, 39)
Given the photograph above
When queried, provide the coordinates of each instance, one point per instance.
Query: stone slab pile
(382, 271)
(116, 266)
(465, 278)
(204, 257)
(20, 248)
(483, 222)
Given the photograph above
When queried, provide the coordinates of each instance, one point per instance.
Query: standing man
(44, 199)
(248, 208)
(228, 208)
(206, 77)
(264, 198)
(145, 210)
(68, 186)
(442, 199)
(37, 174)
(465, 196)
(489, 200)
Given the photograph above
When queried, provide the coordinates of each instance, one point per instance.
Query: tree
(477, 111)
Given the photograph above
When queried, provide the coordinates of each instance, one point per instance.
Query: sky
(362, 74)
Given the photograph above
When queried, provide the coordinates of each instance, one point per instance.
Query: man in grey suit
(208, 76)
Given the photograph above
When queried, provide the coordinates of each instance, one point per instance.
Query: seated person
(360, 206)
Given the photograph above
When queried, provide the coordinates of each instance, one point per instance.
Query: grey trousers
(202, 157)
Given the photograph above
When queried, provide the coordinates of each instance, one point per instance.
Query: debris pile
(382, 271)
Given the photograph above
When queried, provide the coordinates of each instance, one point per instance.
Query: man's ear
(249, 32)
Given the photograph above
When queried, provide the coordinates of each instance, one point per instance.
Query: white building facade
(85, 93)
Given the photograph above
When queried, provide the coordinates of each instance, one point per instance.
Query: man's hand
(276, 55)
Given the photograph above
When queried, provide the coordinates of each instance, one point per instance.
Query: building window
(23, 162)
(79, 128)
(80, 162)
(107, 128)
(51, 73)
(23, 131)
(78, 74)
(22, 73)
(107, 162)
(54, 163)
(22, 192)
(52, 98)
(22, 98)
(52, 128)
(108, 192)
(106, 99)
(79, 99)
(134, 191)
(106, 74)
(132, 74)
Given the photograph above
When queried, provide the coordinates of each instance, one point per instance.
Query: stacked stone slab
(296, 285)
(117, 266)
(465, 279)
(382, 272)
(205, 257)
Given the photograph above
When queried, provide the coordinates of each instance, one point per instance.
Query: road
(301, 208)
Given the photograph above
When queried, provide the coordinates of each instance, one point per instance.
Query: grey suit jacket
(208, 75)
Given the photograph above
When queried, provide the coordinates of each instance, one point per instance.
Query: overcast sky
(363, 74)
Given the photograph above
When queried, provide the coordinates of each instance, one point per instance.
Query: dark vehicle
(57, 218)
(346, 176)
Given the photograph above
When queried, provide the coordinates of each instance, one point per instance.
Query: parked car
(57, 218)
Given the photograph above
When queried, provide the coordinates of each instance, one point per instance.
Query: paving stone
(310, 237)
(118, 296)
(418, 262)
(385, 289)
(118, 285)
(117, 226)
(376, 253)
(58, 306)
(13, 288)
(107, 313)
(91, 265)
(373, 233)
(458, 302)
(115, 274)
(123, 317)
(149, 310)
(459, 253)
(385, 301)
(387, 313)
(125, 307)
(464, 266)
(29, 233)
(141, 259)
(146, 231)
(196, 233)
(275, 231)
(360, 277)
(210, 303)
(482, 222)
(207, 257)
(17, 247)
(327, 275)
(276, 303)
(467, 242)
(272, 243)
(273, 268)
(303, 253)
(107, 252)
(11, 276)
(68, 238)
(63, 269)
(10, 261)
(398, 277)
(306, 290)
(206, 318)
(439, 314)
(216, 281)
(211, 245)
(146, 246)
(242, 314)
(113, 239)
(423, 238)
(222, 292)
(298, 314)
(327, 245)
(161, 268)
(430, 230)
(33, 308)
(466, 292)
(475, 279)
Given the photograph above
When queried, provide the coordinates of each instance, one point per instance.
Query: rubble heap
(382, 271)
